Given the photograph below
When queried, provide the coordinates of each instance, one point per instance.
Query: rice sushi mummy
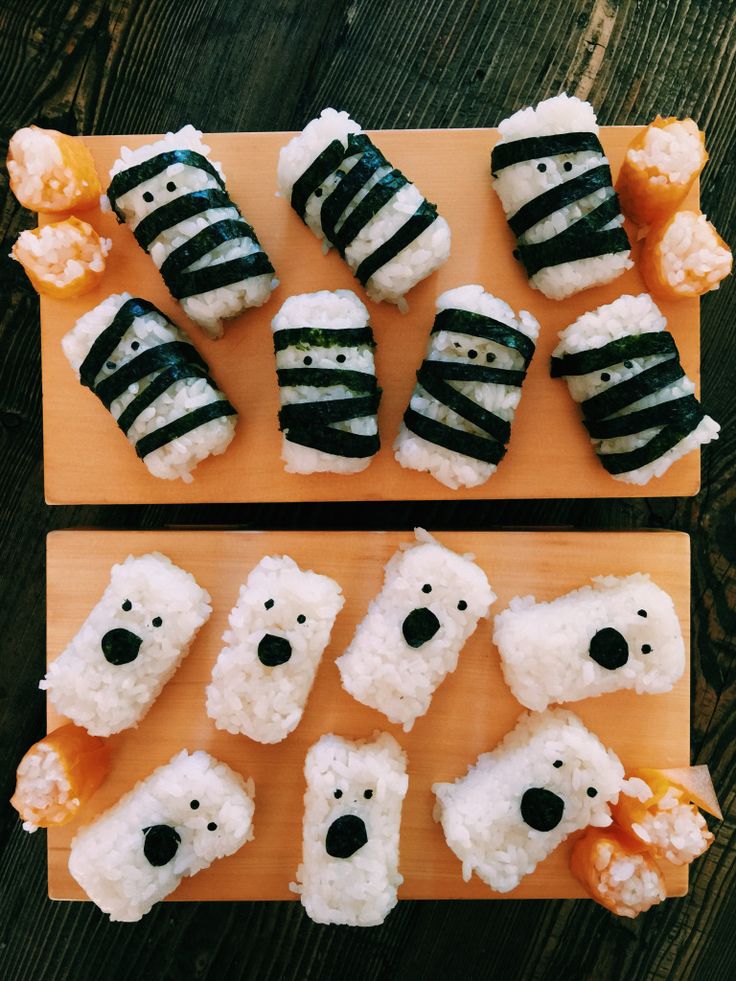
(174, 198)
(154, 382)
(176, 822)
(458, 421)
(548, 777)
(350, 196)
(412, 635)
(639, 406)
(278, 631)
(327, 383)
(619, 633)
(129, 646)
(352, 813)
(554, 182)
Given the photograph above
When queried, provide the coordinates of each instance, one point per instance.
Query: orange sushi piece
(659, 169)
(62, 259)
(617, 872)
(668, 822)
(57, 777)
(684, 257)
(51, 172)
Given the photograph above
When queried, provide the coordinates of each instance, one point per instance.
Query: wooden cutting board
(470, 712)
(88, 460)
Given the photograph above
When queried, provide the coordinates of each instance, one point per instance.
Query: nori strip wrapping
(177, 372)
(205, 241)
(328, 410)
(558, 197)
(154, 359)
(357, 177)
(517, 151)
(455, 440)
(316, 174)
(422, 218)
(613, 353)
(126, 180)
(675, 411)
(336, 441)
(303, 338)
(181, 208)
(478, 325)
(356, 381)
(665, 439)
(619, 396)
(378, 196)
(217, 274)
(109, 339)
(432, 381)
(184, 424)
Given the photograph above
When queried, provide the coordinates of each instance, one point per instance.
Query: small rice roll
(618, 633)
(278, 631)
(62, 259)
(349, 872)
(131, 643)
(618, 875)
(639, 407)
(154, 382)
(554, 182)
(411, 637)
(175, 200)
(458, 421)
(350, 196)
(327, 383)
(548, 777)
(684, 257)
(52, 172)
(176, 822)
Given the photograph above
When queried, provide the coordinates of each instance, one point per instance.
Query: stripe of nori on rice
(518, 151)
(126, 180)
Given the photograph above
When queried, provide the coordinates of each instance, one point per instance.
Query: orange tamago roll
(57, 777)
(51, 172)
(617, 872)
(684, 257)
(664, 815)
(659, 169)
(64, 258)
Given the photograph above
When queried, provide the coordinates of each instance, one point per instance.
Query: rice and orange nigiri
(51, 172)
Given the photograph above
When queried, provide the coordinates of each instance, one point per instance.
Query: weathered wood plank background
(122, 66)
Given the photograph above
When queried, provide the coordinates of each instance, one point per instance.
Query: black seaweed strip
(455, 440)
(558, 197)
(184, 284)
(378, 196)
(617, 397)
(315, 174)
(163, 356)
(672, 412)
(183, 425)
(613, 353)
(336, 441)
(422, 218)
(203, 242)
(477, 325)
(656, 447)
(462, 371)
(337, 201)
(177, 210)
(131, 177)
(355, 381)
(583, 239)
(517, 151)
(328, 410)
(489, 422)
(111, 336)
(323, 337)
(158, 386)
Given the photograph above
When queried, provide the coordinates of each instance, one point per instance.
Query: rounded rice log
(616, 873)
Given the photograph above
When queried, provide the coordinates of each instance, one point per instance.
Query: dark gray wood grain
(121, 66)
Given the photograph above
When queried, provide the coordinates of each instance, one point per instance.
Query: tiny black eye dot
(268, 604)
(605, 377)
(567, 165)
(426, 588)
(147, 196)
(110, 365)
(367, 794)
(340, 359)
(301, 618)
(490, 357)
(591, 792)
(318, 192)
(307, 360)
(557, 764)
(641, 613)
(541, 168)
(462, 605)
(157, 621)
(472, 354)
(646, 648)
(628, 364)
(212, 826)
(194, 804)
(338, 794)
(135, 345)
(127, 606)
(171, 186)
(456, 343)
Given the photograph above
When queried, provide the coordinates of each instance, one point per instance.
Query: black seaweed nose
(345, 836)
(420, 626)
(161, 843)
(273, 650)
(120, 646)
(541, 809)
(609, 649)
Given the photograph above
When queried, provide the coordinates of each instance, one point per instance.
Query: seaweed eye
(110, 365)
(194, 804)
(268, 604)
(212, 826)
(591, 792)
(490, 357)
(127, 606)
(646, 648)
(541, 168)
(307, 360)
(367, 794)
(318, 192)
(557, 764)
(171, 186)
(301, 618)
(135, 345)
(567, 165)
(157, 621)
(338, 794)
(426, 588)
(628, 364)
(641, 613)
(472, 354)
(605, 377)
(462, 605)
(340, 358)
(147, 196)
(456, 343)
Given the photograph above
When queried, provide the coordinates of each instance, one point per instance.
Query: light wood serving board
(469, 714)
(88, 460)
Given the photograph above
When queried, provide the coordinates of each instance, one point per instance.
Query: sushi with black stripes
(175, 200)
(458, 422)
(327, 383)
(353, 199)
(622, 366)
(554, 182)
(154, 382)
